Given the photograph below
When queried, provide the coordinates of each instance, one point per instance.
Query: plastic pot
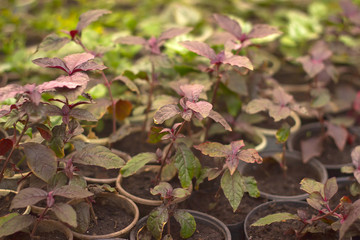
(199, 217)
(114, 200)
(334, 170)
(290, 156)
(140, 200)
(272, 132)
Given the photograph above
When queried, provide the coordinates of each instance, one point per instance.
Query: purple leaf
(82, 114)
(338, 133)
(53, 42)
(320, 51)
(201, 107)
(354, 214)
(281, 97)
(163, 188)
(249, 156)
(258, 105)
(166, 112)
(52, 63)
(89, 65)
(89, 17)
(351, 11)
(236, 146)
(200, 48)
(229, 25)
(65, 213)
(10, 91)
(262, 30)
(172, 32)
(312, 147)
(355, 156)
(52, 110)
(5, 146)
(279, 112)
(330, 188)
(28, 196)
(218, 118)
(214, 149)
(238, 61)
(191, 91)
(68, 82)
(131, 40)
(72, 191)
(74, 60)
(5, 110)
(312, 68)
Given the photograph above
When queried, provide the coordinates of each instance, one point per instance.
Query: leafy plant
(340, 218)
(232, 183)
(162, 215)
(355, 170)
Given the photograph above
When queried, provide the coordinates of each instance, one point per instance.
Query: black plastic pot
(315, 128)
(199, 216)
(255, 214)
(290, 156)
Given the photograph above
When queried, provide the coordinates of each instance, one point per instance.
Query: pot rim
(145, 201)
(123, 231)
(197, 215)
(297, 157)
(293, 129)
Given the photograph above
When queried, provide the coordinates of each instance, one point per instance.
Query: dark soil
(292, 75)
(271, 178)
(97, 172)
(269, 123)
(331, 154)
(204, 200)
(284, 230)
(55, 235)
(110, 217)
(5, 203)
(135, 143)
(343, 190)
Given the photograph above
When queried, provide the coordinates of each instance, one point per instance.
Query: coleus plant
(152, 47)
(236, 38)
(355, 170)
(162, 215)
(184, 162)
(339, 218)
(233, 183)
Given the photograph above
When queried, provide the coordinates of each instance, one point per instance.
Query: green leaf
(82, 210)
(309, 185)
(168, 172)
(53, 42)
(167, 237)
(15, 224)
(72, 191)
(251, 186)
(78, 180)
(41, 160)
(7, 217)
(137, 162)
(28, 196)
(162, 188)
(99, 156)
(155, 135)
(330, 188)
(277, 217)
(186, 164)
(65, 213)
(187, 223)
(156, 221)
(283, 133)
(321, 98)
(233, 188)
(58, 180)
(180, 192)
(214, 149)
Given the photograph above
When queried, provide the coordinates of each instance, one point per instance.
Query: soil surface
(229, 137)
(269, 123)
(55, 235)
(97, 172)
(204, 200)
(343, 190)
(110, 217)
(272, 179)
(331, 154)
(285, 230)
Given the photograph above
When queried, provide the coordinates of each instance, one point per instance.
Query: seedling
(233, 183)
(340, 218)
(162, 215)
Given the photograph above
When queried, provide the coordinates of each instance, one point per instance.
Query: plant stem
(151, 90)
(38, 221)
(168, 226)
(283, 159)
(108, 84)
(157, 180)
(13, 148)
